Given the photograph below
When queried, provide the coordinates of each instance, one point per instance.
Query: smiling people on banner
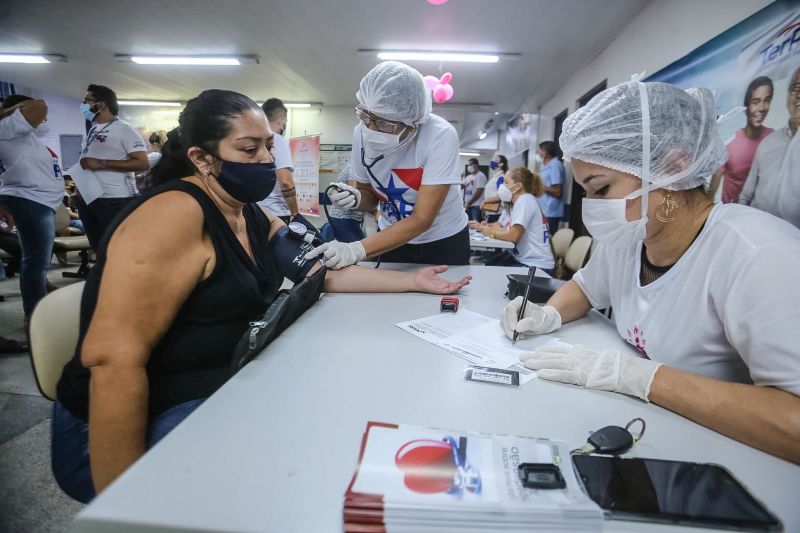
(406, 160)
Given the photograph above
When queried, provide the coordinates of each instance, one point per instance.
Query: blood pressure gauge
(299, 231)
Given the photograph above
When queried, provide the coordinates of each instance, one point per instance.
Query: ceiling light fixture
(482, 135)
(298, 105)
(469, 154)
(189, 60)
(459, 57)
(154, 103)
(32, 58)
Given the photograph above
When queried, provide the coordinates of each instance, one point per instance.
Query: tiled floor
(30, 500)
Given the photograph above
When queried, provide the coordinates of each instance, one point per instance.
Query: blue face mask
(247, 182)
(86, 111)
(493, 165)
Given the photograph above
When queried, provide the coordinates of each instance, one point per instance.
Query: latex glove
(338, 255)
(346, 198)
(537, 320)
(596, 369)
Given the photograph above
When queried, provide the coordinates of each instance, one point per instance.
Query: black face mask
(247, 182)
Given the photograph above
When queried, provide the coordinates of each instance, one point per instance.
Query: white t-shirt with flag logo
(533, 249)
(114, 141)
(28, 168)
(726, 310)
(431, 158)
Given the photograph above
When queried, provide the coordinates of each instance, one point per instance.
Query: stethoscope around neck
(398, 214)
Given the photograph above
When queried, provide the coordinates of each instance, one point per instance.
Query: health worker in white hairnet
(405, 160)
(705, 294)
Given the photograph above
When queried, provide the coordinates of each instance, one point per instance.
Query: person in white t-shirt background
(114, 151)
(282, 201)
(406, 160)
(31, 187)
(773, 183)
(474, 184)
(156, 140)
(706, 294)
(522, 223)
(490, 209)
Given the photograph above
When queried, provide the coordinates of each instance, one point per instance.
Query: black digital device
(673, 492)
(541, 476)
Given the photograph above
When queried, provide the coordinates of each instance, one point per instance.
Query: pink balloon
(448, 91)
(437, 2)
(445, 79)
(440, 94)
(431, 82)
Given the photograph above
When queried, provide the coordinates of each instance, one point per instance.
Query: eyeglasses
(386, 126)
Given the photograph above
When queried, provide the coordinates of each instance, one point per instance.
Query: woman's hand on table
(428, 280)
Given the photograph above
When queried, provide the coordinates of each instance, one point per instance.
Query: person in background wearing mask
(742, 148)
(704, 292)
(114, 151)
(773, 184)
(491, 205)
(474, 184)
(31, 188)
(405, 158)
(183, 271)
(282, 201)
(553, 176)
(524, 224)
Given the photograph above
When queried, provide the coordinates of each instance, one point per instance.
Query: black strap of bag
(284, 310)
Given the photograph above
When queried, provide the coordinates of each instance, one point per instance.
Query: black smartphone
(674, 492)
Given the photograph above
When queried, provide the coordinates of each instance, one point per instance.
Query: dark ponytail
(203, 123)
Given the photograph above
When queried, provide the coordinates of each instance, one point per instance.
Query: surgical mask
(247, 182)
(378, 142)
(504, 193)
(538, 158)
(42, 129)
(605, 220)
(472, 169)
(493, 165)
(86, 111)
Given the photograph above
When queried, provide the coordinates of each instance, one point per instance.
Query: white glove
(346, 198)
(537, 320)
(338, 255)
(597, 369)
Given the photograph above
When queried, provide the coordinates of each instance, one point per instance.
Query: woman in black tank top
(180, 273)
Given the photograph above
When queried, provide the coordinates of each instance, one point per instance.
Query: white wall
(334, 124)
(664, 31)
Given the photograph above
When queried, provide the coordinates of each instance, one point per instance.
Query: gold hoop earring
(668, 207)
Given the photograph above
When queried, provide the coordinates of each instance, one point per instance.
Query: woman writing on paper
(705, 293)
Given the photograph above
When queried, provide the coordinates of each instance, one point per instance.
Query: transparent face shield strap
(645, 103)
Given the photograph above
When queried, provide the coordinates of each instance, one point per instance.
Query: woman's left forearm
(763, 417)
(361, 279)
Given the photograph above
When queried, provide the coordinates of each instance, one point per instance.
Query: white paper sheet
(87, 183)
(477, 339)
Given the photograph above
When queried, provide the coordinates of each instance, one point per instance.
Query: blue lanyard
(92, 135)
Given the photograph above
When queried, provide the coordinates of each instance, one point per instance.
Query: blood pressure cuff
(289, 253)
(285, 309)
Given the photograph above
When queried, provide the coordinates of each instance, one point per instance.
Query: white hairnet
(612, 129)
(395, 91)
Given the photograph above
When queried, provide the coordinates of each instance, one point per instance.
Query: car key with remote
(612, 440)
